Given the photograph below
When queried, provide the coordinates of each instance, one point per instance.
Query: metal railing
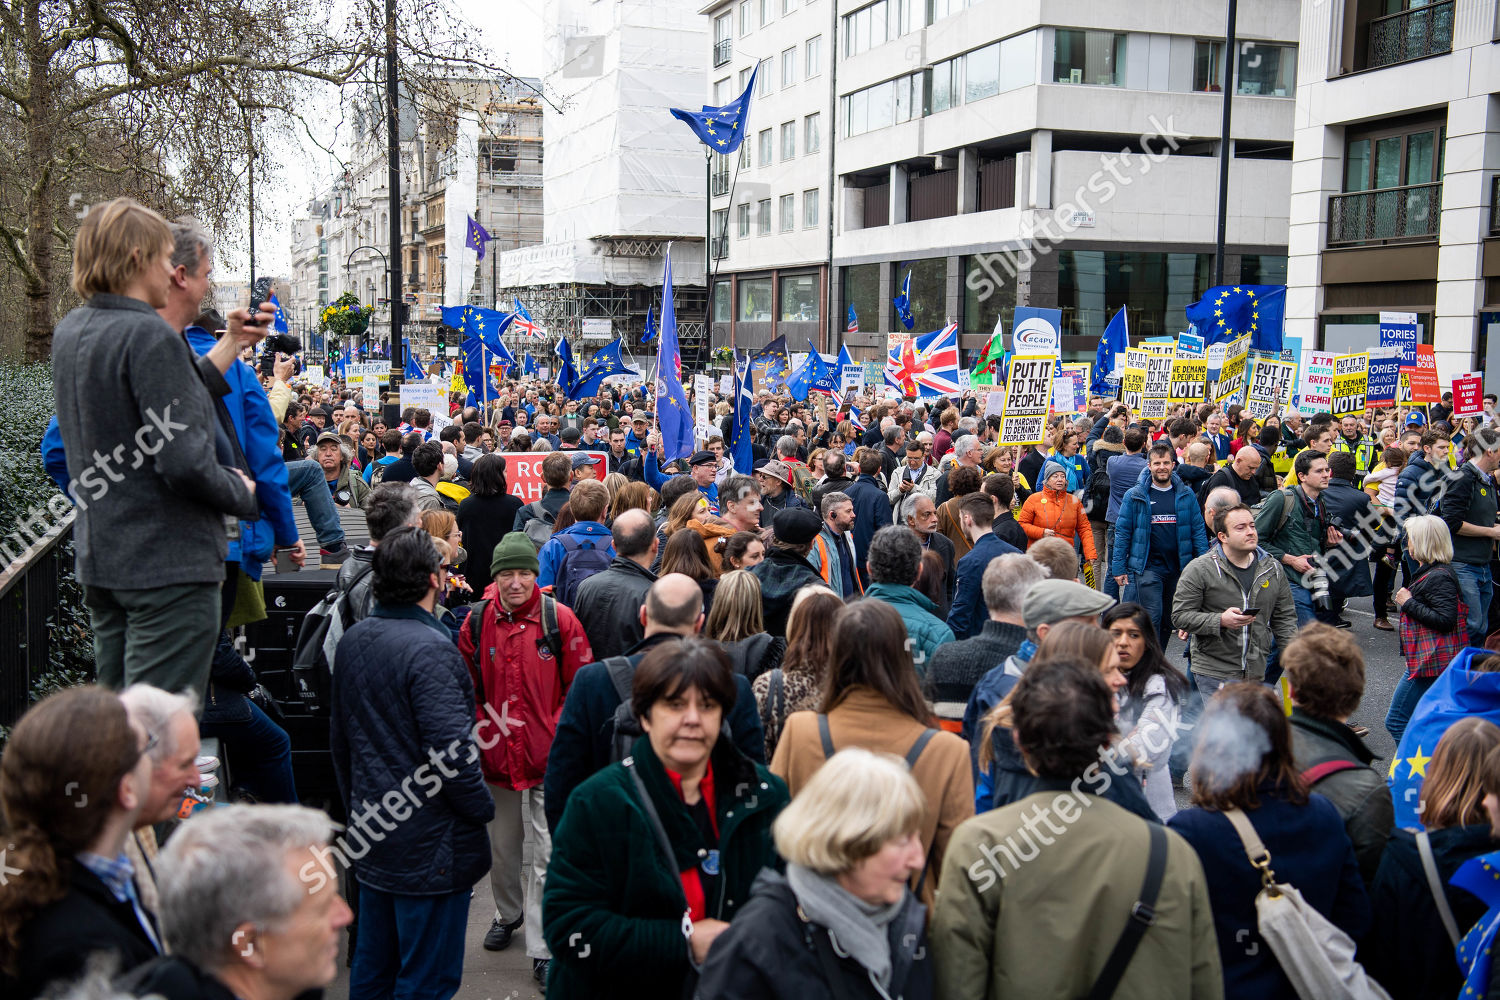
(723, 51)
(1390, 215)
(1410, 34)
(29, 597)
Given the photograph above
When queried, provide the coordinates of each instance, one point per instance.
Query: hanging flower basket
(345, 317)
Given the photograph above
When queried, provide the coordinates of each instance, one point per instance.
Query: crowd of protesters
(891, 713)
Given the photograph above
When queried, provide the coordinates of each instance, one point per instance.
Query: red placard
(1423, 379)
(523, 471)
(1468, 396)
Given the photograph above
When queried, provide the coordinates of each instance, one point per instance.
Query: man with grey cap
(776, 492)
(635, 440)
(785, 569)
(1047, 603)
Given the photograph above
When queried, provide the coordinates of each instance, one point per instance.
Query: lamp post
(347, 281)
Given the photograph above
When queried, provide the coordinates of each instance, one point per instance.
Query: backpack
(582, 558)
(322, 628)
(539, 527)
(624, 727)
(1096, 494)
(1287, 499)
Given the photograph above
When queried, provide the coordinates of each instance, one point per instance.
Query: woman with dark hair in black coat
(487, 514)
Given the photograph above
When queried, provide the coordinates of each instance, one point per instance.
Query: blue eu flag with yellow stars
(721, 129)
(1458, 693)
(673, 415)
(1228, 311)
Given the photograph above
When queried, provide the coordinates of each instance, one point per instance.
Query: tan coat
(865, 719)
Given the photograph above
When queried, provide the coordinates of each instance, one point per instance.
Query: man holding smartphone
(1232, 601)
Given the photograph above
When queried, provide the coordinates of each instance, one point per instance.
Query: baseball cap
(1048, 602)
(330, 436)
(777, 470)
(582, 458)
(639, 415)
(703, 458)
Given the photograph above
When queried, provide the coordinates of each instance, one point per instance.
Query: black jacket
(771, 506)
(57, 942)
(484, 521)
(1010, 530)
(1407, 949)
(1030, 466)
(1248, 489)
(957, 666)
(400, 687)
(939, 543)
(781, 574)
(872, 511)
(1434, 598)
(608, 605)
(1347, 507)
(173, 978)
(1358, 793)
(1470, 500)
(817, 493)
(770, 952)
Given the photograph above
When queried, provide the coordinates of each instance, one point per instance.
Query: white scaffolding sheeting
(618, 164)
(461, 199)
(589, 262)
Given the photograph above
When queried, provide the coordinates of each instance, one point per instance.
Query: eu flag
(485, 325)
(741, 438)
(770, 363)
(528, 364)
(280, 323)
(606, 362)
(1112, 347)
(650, 333)
(673, 414)
(815, 375)
(1457, 693)
(1480, 876)
(477, 374)
(567, 374)
(721, 129)
(414, 372)
(1227, 311)
(902, 303)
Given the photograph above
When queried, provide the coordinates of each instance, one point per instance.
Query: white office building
(1394, 176)
(1055, 154)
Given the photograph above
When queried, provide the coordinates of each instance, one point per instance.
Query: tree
(164, 101)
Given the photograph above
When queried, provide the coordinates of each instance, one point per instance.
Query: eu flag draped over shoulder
(721, 129)
(1227, 311)
(1457, 693)
(741, 439)
(1480, 876)
(673, 414)
(1111, 352)
(606, 362)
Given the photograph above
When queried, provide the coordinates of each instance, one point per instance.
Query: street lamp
(384, 260)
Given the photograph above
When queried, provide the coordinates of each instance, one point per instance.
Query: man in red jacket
(528, 648)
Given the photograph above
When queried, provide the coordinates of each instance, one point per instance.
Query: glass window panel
(743, 218)
(721, 302)
(982, 73)
(747, 16)
(1267, 70)
(765, 12)
(879, 29)
(861, 289)
(1208, 66)
(788, 140)
(881, 96)
(1357, 166)
(763, 79)
(799, 299)
(903, 98)
(755, 300)
(1158, 286)
(1419, 158)
(1263, 269)
(814, 57)
(810, 208)
(1388, 161)
(989, 293)
(929, 292)
(940, 93)
(721, 91)
(1092, 57)
(788, 67)
(763, 217)
(788, 211)
(1017, 58)
(723, 28)
(812, 124)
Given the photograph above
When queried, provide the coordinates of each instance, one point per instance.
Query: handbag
(1315, 954)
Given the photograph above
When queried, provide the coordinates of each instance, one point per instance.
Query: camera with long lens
(280, 343)
(1316, 581)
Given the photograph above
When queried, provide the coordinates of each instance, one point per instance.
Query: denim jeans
(411, 947)
(1154, 591)
(1404, 703)
(1302, 599)
(1477, 587)
(305, 479)
(1111, 588)
(259, 751)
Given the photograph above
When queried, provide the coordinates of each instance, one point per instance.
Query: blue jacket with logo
(1132, 546)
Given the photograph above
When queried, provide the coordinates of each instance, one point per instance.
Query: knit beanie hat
(515, 551)
(1049, 469)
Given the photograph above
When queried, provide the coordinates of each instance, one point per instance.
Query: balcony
(719, 184)
(1407, 214)
(718, 247)
(723, 51)
(1410, 34)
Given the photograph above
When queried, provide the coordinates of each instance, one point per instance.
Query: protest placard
(851, 378)
(1399, 329)
(1230, 387)
(424, 396)
(1468, 394)
(703, 387)
(1076, 376)
(1133, 380)
(1350, 382)
(995, 403)
(726, 385)
(1424, 377)
(1315, 390)
(523, 472)
(1189, 377)
(1028, 395)
(1384, 376)
(1158, 385)
(1270, 385)
(1189, 345)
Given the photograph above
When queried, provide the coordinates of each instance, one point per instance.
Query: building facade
(1395, 177)
(1054, 154)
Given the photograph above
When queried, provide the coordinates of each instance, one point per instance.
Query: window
(747, 16)
(745, 163)
(1208, 66)
(891, 102)
(1018, 61)
(982, 73)
(742, 219)
(1092, 57)
(786, 6)
(766, 6)
(788, 140)
(763, 217)
(1394, 160)
(810, 208)
(744, 80)
(764, 141)
(721, 302)
(788, 208)
(943, 83)
(755, 300)
(942, 8)
(1158, 286)
(799, 298)
(1267, 70)
(723, 38)
(989, 293)
(788, 67)
(861, 289)
(879, 22)
(811, 126)
(721, 91)
(721, 223)
(763, 79)
(814, 59)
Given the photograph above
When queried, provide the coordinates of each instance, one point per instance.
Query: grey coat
(138, 428)
(1208, 588)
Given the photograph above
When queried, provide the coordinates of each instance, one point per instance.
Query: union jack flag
(935, 363)
(524, 323)
(901, 368)
(853, 326)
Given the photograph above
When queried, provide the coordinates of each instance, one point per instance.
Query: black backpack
(582, 558)
(1096, 494)
(624, 727)
(318, 638)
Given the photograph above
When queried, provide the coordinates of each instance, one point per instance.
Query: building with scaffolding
(622, 179)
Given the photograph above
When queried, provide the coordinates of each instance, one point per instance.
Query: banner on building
(1189, 378)
(1350, 383)
(1385, 376)
(1399, 329)
(1230, 387)
(1133, 380)
(1028, 396)
(1468, 394)
(1158, 386)
(1270, 386)
(1315, 391)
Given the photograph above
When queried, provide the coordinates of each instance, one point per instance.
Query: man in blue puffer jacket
(1159, 530)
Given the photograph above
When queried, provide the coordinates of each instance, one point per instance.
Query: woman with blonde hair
(844, 910)
(1410, 945)
(1433, 625)
(797, 685)
(737, 621)
(684, 509)
(613, 482)
(631, 495)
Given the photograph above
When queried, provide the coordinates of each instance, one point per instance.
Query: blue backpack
(582, 558)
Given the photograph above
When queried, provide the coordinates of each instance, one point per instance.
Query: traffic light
(442, 342)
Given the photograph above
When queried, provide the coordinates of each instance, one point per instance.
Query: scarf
(858, 928)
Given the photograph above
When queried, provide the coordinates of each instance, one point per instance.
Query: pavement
(506, 975)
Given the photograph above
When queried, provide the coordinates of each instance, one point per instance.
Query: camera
(1316, 581)
(280, 343)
